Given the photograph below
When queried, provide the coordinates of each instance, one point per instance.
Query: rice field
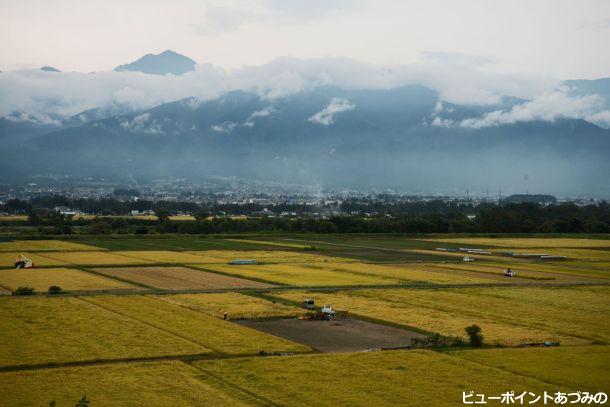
(178, 278)
(496, 270)
(43, 245)
(406, 273)
(508, 316)
(137, 348)
(164, 256)
(68, 279)
(94, 258)
(527, 242)
(270, 243)
(237, 306)
(13, 218)
(299, 274)
(196, 327)
(576, 368)
(392, 378)
(7, 259)
(170, 383)
(42, 330)
(264, 256)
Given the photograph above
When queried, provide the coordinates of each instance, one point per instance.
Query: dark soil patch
(338, 335)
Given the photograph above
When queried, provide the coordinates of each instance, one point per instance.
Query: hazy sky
(559, 38)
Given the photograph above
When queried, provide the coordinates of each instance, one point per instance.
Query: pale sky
(556, 38)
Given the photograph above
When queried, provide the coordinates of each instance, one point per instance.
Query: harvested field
(196, 327)
(236, 305)
(43, 245)
(392, 378)
(7, 259)
(42, 330)
(338, 335)
(508, 316)
(169, 383)
(93, 258)
(67, 279)
(178, 278)
(575, 367)
(300, 274)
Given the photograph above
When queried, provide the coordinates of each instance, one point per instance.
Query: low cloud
(548, 107)
(142, 124)
(326, 116)
(267, 111)
(224, 127)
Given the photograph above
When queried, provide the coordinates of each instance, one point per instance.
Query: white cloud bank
(326, 116)
(34, 95)
(550, 106)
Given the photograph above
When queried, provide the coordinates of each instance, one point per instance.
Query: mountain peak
(161, 64)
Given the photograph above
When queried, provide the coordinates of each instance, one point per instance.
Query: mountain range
(326, 135)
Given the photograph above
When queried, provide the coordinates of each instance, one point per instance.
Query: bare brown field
(179, 278)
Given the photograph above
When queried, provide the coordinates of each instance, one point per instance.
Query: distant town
(251, 199)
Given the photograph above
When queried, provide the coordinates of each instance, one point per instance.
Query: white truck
(328, 310)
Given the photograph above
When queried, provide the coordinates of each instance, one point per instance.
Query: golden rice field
(7, 259)
(170, 383)
(161, 256)
(582, 254)
(507, 315)
(391, 378)
(526, 242)
(575, 367)
(13, 218)
(264, 256)
(270, 243)
(574, 269)
(236, 305)
(496, 270)
(196, 327)
(94, 258)
(299, 274)
(42, 330)
(67, 279)
(43, 245)
(178, 278)
(408, 272)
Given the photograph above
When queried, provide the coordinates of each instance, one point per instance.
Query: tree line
(510, 218)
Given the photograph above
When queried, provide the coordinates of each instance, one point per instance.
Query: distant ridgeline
(539, 198)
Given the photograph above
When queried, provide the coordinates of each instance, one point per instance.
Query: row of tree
(512, 218)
